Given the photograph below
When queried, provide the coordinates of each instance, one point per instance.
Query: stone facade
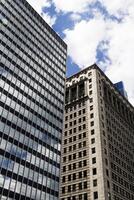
(97, 145)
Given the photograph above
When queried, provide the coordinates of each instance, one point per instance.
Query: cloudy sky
(96, 31)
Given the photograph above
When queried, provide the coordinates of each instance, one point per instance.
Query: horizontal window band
(28, 165)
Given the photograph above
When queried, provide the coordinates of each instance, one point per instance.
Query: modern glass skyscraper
(32, 78)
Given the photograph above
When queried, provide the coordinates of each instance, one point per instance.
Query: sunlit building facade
(98, 141)
(32, 77)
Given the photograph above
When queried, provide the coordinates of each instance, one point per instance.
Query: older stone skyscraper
(32, 78)
(98, 141)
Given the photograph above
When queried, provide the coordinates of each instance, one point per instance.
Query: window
(93, 150)
(65, 133)
(80, 196)
(91, 100)
(73, 197)
(105, 151)
(74, 122)
(95, 195)
(64, 168)
(70, 139)
(90, 86)
(80, 164)
(80, 186)
(85, 173)
(63, 190)
(80, 154)
(84, 111)
(66, 118)
(79, 112)
(80, 174)
(107, 173)
(84, 134)
(79, 120)
(90, 80)
(84, 119)
(79, 136)
(74, 156)
(74, 147)
(94, 182)
(75, 114)
(84, 163)
(74, 138)
(70, 131)
(70, 157)
(70, 123)
(94, 171)
(92, 140)
(84, 153)
(106, 161)
(63, 179)
(84, 126)
(91, 115)
(89, 74)
(85, 196)
(79, 128)
(70, 148)
(80, 145)
(69, 188)
(94, 160)
(65, 150)
(74, 176)
(108, 184)
(65, 141)
(74, 130)
(74, 165)
(69, 177)
(84, 143)
(91, 107)
(74, 107)
(69, 167)
(64, 159)
(71, 116)
(65, 125)
(74, 187)
(85, 184)
(90, 92)
(92, 123)
(92, 132)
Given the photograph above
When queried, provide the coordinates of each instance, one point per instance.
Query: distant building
(32, 79)
(121, 89)
(98, 140)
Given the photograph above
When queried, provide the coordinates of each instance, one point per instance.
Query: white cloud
(38, 5)
(121, 54)
(75, 17)
(118, 7)
(72, 5)
(83, 40)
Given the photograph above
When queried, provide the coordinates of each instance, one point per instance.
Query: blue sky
(96, 31)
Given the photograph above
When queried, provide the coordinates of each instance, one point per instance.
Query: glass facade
(121, 89)
(32, 78)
